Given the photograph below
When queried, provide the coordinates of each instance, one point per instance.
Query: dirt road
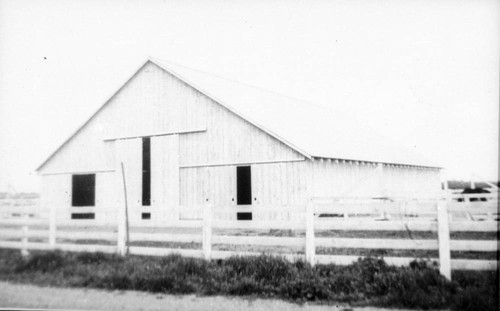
(30, 296)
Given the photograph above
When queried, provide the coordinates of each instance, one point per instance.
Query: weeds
(369, 281)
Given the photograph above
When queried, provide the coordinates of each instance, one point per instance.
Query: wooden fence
(195, 231)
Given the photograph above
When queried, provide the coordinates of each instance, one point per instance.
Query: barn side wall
(364, 180)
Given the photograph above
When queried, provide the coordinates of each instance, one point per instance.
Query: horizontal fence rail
(300, 231)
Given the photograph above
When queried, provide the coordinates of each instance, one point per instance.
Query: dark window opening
(83, 190)
(83, 216)
(243, 185)
(146, 171)
(146, 215)
(244, 216)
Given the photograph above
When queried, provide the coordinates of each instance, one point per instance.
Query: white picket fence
(208, 226)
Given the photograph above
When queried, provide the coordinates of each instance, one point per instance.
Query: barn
(174, 137)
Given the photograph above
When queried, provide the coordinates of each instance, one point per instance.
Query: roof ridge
(299, 100)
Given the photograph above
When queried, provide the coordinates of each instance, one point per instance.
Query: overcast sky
(425, 73)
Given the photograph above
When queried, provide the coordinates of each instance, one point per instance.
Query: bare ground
(30, 296)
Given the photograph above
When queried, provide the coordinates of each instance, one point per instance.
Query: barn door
(129, 153)
(165, 171)
(151, 167)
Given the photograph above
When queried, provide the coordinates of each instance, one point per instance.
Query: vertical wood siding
(272, 183)
(230, 139)
(165, 171)
(129, 152)
(56, 192)
(348, 179)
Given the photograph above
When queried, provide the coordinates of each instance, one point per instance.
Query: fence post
(122, 234)
(24, 239)
(52, 226)
(310, 246)
(207, 232)
(444, 240)
(122, 215)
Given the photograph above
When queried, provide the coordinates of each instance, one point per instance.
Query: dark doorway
(83, 190)
(146, 171)
(243, 185)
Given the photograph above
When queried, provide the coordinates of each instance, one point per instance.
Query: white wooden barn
(185, 137)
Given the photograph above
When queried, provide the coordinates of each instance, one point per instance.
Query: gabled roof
(311, 130)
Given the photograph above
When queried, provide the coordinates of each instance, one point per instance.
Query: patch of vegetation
(412, 253)
(183, 245)
(369, 281)
(477, 290)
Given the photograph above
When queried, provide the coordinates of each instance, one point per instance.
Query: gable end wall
(154, 101)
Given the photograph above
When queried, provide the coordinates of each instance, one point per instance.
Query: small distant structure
(474, 191)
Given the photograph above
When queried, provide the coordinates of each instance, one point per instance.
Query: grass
(368, 281)
(424, 254)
